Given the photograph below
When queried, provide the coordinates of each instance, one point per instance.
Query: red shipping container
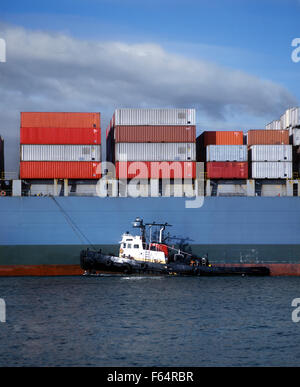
(60, 170)
(268, 137)
(151, 133)
(227, 170)
(223, 138)
(156, 169)
(60, 136)
(59, 120)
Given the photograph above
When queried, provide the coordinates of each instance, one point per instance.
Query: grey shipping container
(296, 137)
(226, 153)
(272, 170)
(154, 117)
(271, 153)
(1, 158)
(155, 152)
(60, 153)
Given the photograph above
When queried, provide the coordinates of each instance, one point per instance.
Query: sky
(228, 59)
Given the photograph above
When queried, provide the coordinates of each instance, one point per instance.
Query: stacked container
(152, 143)
(274, 125)
(225, 155)
(267, 137)
(270, 153)
(289, 120)
(60, 146)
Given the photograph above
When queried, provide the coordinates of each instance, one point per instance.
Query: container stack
(270, 153)
(60, 146)
(225, 155)
(289, 120)
(152, 143)
(274, 125)
(295, 126)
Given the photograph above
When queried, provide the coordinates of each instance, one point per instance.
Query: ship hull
(93, 261)
(42, 232)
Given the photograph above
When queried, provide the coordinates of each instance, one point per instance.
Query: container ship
(231, 195)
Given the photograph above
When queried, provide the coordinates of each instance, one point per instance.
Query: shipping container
(1, 158)
(155, 152)
(272, 170)
(158, 133)
(227, 170)
(223, 138)
(271, 153)
(59, 120)
(295, 117)
(296, 137)
(156, 170)
(283, 121)
(60, 153)
(226, 153)
(274, 125)
(268, 137)
(290, 118)
(59, 170)
(60, 136)
(154, 117)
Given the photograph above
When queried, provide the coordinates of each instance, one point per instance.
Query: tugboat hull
(95, 261)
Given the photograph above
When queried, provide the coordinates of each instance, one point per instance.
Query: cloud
(55, 72)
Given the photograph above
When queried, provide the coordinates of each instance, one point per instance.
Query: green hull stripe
(69, 254)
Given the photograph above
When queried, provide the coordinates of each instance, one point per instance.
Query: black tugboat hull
(94, 261)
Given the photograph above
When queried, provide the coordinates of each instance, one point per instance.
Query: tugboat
(149, 254)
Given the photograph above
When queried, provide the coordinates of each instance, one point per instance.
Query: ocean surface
(120, 321)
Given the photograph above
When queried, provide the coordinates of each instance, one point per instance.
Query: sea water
(117, 321)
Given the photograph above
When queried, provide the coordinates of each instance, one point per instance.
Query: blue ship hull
(43, 230)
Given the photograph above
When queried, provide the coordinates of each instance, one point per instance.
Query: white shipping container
(290, 118)
(274, 125)
(295, 117)
(155, 152)
(154, 117)
(271, 153)
(60, 152)
(226, 153)
(283, 121)
(272, 170)
(296, 137)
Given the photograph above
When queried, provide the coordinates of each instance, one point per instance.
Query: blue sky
(234, 42)
(252, 35)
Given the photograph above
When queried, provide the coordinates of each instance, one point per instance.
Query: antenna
(138, 223)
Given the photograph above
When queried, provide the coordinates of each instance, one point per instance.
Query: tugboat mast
(138, 223)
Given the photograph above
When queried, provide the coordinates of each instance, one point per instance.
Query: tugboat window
(136, 246)
(124, 245)
(129, 246)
